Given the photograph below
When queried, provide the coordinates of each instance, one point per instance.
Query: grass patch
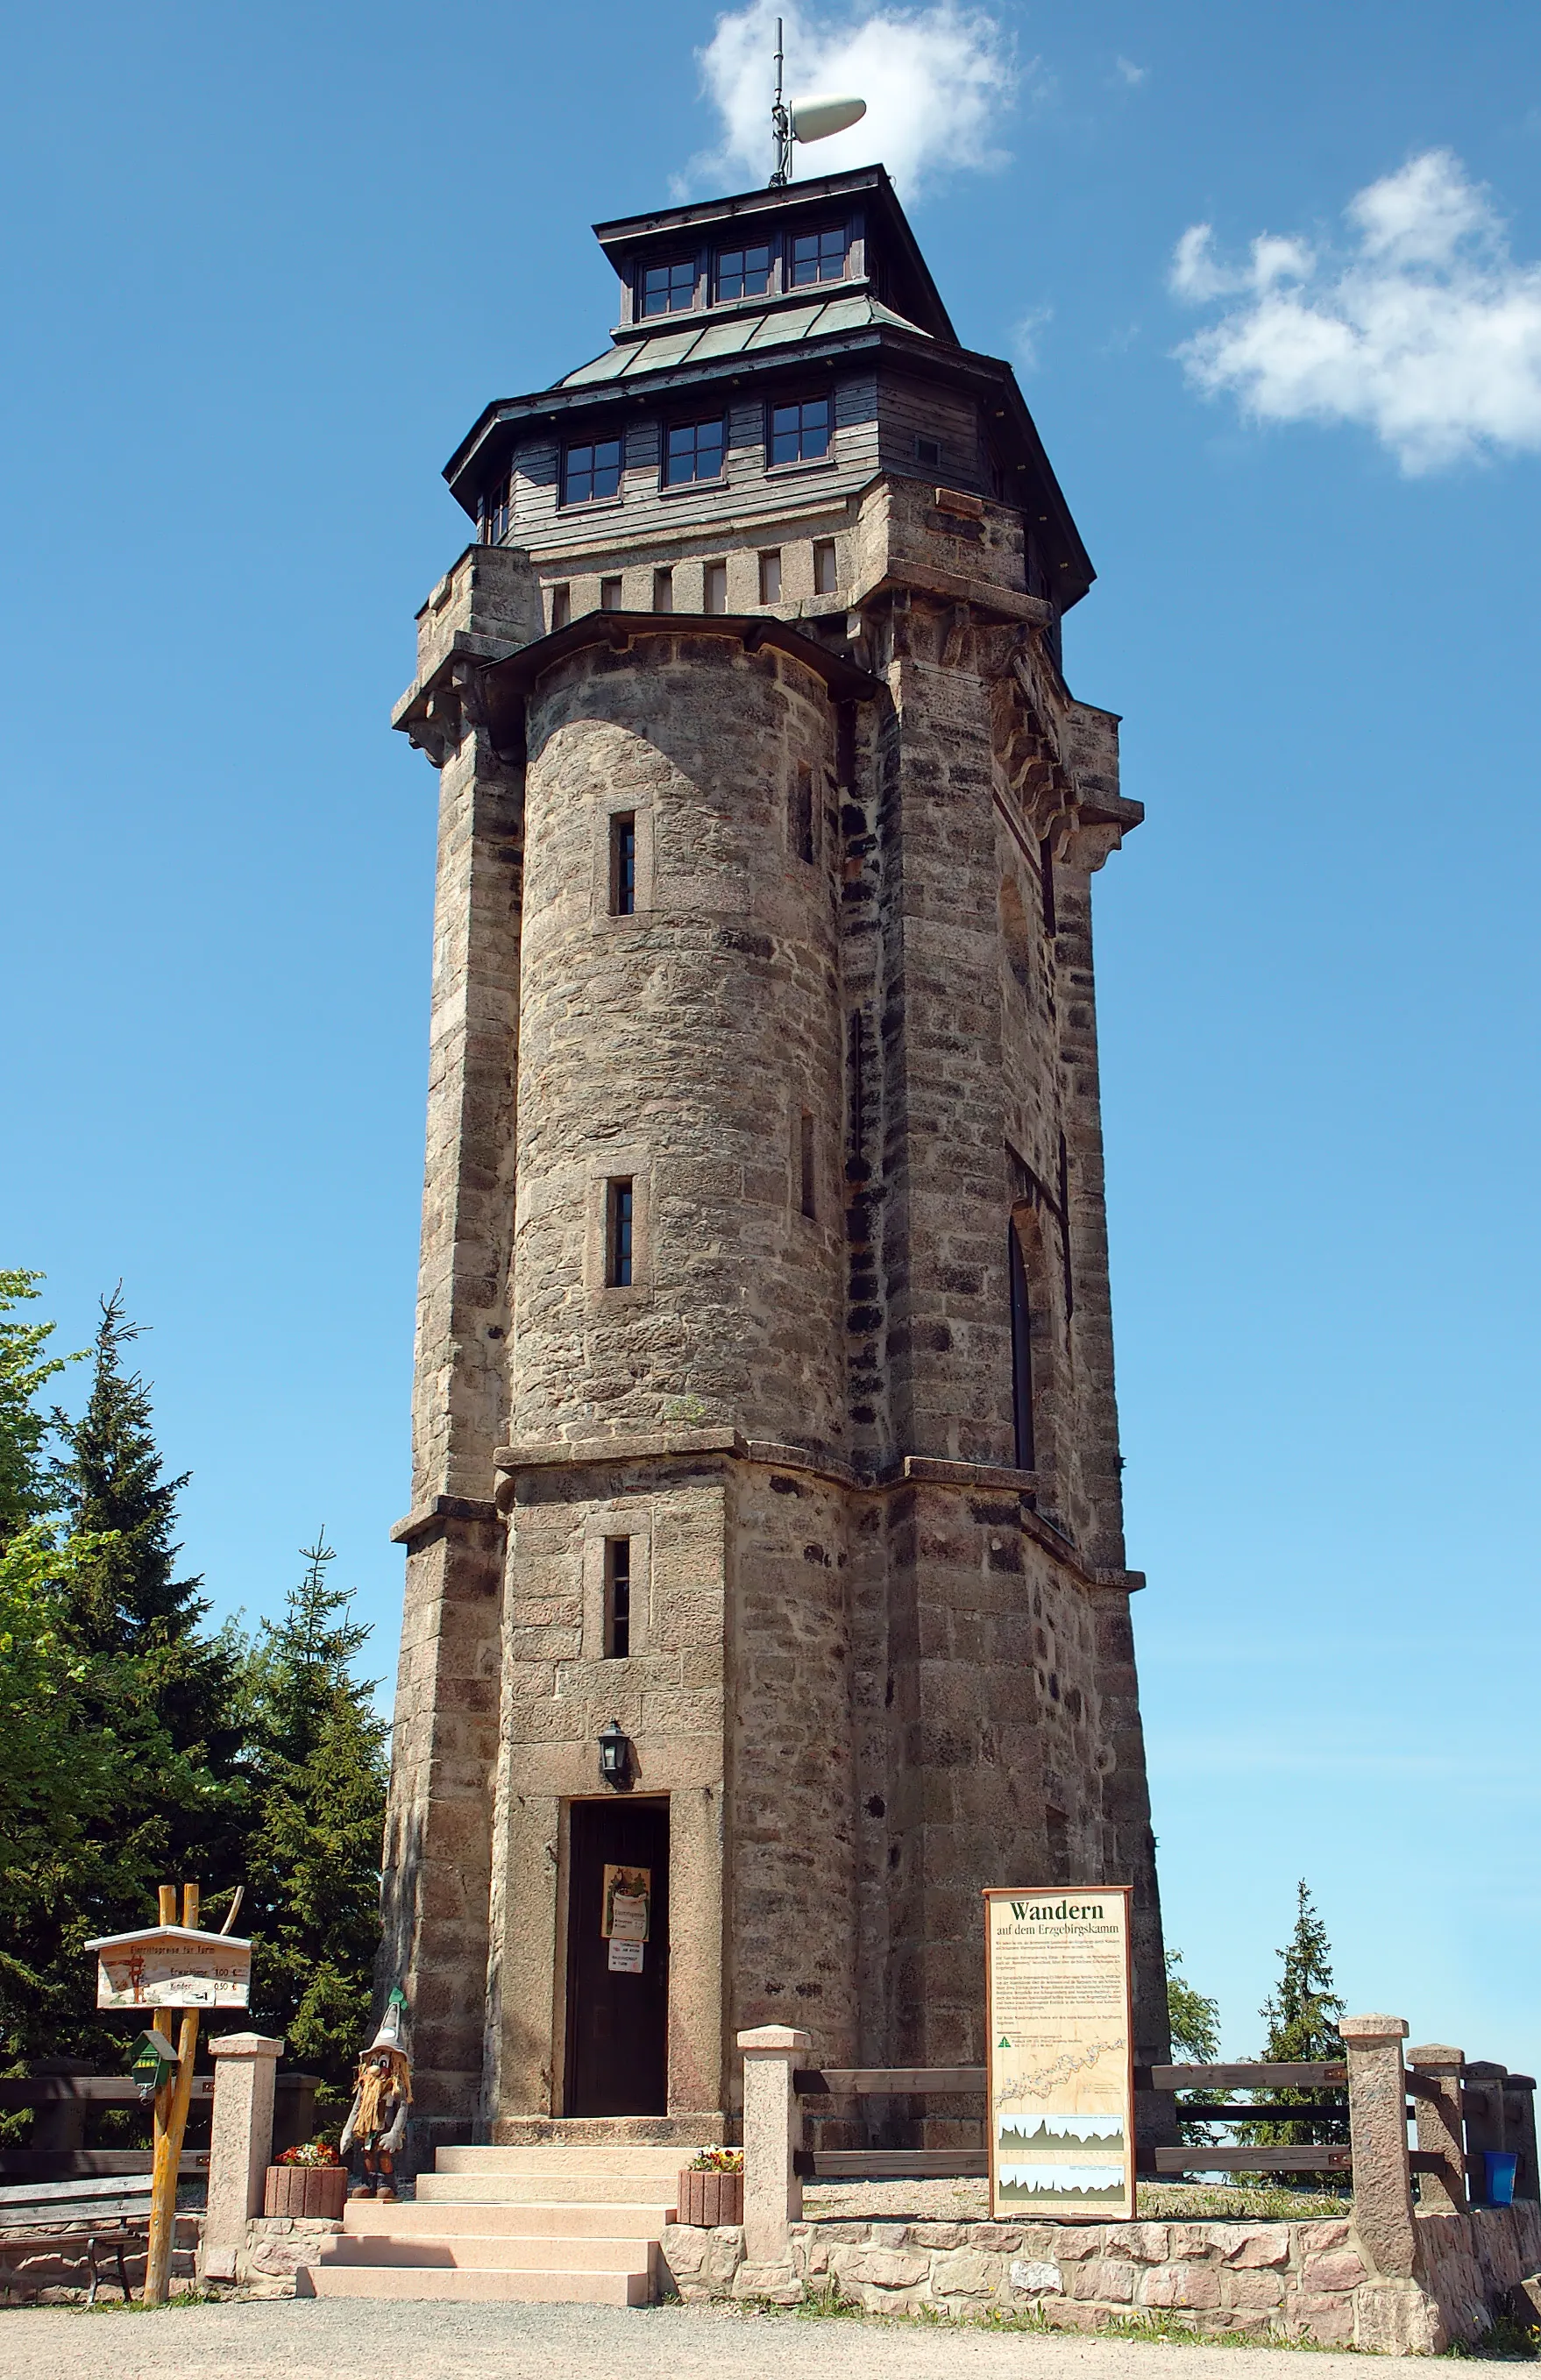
(1508, 2341)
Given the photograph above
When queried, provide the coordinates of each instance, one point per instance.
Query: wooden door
(617, 1988)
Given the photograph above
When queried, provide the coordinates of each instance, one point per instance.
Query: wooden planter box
(317, 2193)
(710, 2198)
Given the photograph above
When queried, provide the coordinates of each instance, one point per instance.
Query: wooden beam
(1324, 2111)
(1280, 2159)
(871, 2082)
(891, 2165)
(1302, 2076)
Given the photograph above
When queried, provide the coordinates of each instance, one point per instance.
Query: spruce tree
(27, 1492)
(320, 1792)
(1301, 2015)
(149, 1688)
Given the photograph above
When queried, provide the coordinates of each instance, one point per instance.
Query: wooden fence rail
(62, 2102)
(1318, 2076)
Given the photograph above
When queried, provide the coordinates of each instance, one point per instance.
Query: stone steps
(555, 2286)
(562, 2221)
(552, 2218)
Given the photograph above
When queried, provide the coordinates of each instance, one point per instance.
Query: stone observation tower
(767, 1532)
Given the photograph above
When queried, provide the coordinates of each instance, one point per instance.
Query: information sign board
(1061, 2066)
(172, 1966)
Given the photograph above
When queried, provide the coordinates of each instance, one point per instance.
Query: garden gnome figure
(383, 2092)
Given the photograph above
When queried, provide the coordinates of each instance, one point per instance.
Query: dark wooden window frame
(821, 231)
(623, 863)
(692, 257)
(591, 446)
(697, 478)
(617, 1598)
(784, 404)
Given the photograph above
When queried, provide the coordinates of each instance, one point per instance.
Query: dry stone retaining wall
(1313, 2280)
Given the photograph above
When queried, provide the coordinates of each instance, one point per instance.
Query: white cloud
(1128, 72)
(1025, 335)
(1425, 329)
(936, 81)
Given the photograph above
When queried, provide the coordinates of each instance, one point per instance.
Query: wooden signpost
(171, 1966)
(1060, 2072)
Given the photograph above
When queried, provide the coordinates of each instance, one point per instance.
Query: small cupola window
(743, 273)
(819, 256)
(668, 288)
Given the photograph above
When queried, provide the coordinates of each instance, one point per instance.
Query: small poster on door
(628, 1902)
(625, 1957)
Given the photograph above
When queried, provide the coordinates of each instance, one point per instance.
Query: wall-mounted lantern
(614, 1756)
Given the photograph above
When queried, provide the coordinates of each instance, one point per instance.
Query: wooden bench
(48, 2230)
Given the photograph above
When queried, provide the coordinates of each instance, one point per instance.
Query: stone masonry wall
(1305, 2280)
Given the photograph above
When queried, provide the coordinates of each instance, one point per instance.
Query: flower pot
(315, 2192)
(710, 2198)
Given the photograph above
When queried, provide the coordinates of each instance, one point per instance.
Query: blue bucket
(1500, 2168)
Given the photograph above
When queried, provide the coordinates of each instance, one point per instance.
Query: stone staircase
(575, 2221)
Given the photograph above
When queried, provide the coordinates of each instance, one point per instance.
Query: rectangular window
(561, 607)
(623, 864)
(770, 578)
(617, 1235)
(819, 256)
(715, 589)
(593, 472)
(801, 433)
(669, 288)
(662, 590)
(802, 814)
(929, 452)
(693, 450)
(609, 595)
(743, 273)
(617, 1598)
(823, 567)
(496, 512)
(806, 1158)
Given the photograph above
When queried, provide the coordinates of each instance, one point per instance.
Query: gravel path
(311, 2340)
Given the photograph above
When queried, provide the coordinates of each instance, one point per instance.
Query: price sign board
(1059, 2003)
(172, 1966)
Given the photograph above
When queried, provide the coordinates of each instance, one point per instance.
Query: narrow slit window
(662, 590)
(623, 864)
(715, 586)
(823, 567)
(805, 1161)
(770, 578)
(561, 607)
(617, 1598)
(617, 1235)
(1022, 1353)
(1045, 883)
(802, 814)
(609, 595)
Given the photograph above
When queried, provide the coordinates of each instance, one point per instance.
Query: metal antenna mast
(781, 124)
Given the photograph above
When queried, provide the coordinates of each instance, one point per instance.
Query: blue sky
(260, 270)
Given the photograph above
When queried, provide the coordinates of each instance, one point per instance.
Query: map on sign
(1060, 2072)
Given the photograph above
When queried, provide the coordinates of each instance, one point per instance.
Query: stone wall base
(1313, 2280)
(274, 2245)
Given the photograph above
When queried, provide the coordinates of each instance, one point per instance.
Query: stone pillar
(239, 2145)
(1519, 2131)
(1483, 2110)
(1377, 2136)
(773, 2134)
(1440, 2134)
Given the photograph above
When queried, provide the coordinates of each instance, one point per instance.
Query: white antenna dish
(806, 119)
(817, 119)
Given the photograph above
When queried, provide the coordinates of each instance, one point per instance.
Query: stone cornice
(911, 1471)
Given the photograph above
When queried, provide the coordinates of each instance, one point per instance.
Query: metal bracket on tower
(781, 124)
